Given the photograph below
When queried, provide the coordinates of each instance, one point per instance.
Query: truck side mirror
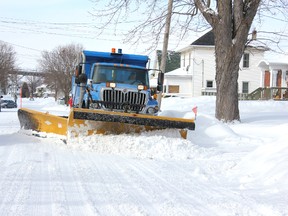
(78, 72)
(82, 78)
(160, 81)
(77, 81)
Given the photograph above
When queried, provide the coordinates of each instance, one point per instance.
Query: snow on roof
(179, 72)
(273, 57)
(274, 61)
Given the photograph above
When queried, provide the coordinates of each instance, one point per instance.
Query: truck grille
(120, 100)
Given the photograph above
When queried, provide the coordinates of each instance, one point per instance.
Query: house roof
(206, 40)
(178, 72)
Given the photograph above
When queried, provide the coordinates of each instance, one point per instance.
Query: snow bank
(221, 169)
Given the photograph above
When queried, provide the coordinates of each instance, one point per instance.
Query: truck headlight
(110, 84)
(141, 87)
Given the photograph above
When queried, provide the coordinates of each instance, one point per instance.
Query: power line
(84, 28)
(273, 17)
(63, 29)
(7, 20)
(64, 23)
(21, 46)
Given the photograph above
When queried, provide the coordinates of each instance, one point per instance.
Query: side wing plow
(42, 122)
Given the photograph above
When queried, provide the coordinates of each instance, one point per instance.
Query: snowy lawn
(221, 169)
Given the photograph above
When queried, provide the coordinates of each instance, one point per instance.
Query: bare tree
(33, 82)
(230, 20)
(7, 65)
(59, 66)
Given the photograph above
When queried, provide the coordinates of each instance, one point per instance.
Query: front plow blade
(88, 122)
(83, 121)
(42, 122)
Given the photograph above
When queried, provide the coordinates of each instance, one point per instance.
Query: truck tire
(84, 104)
(87, 103)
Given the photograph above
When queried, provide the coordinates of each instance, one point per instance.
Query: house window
(209, 84)
(245, 87)
(246, 60)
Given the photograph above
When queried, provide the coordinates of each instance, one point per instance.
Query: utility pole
(165, 47)
(0, 97)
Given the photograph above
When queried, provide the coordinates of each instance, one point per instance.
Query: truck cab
(115, 82)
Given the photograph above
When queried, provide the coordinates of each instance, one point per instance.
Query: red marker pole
(194, 109)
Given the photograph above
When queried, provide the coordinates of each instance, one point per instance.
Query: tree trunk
(227, 91)
(228, 57)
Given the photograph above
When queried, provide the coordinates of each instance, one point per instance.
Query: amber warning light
(113, 50)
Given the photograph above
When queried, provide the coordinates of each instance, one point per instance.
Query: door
(279, 78)
(267, 79)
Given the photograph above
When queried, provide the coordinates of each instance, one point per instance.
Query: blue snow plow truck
(110, 95)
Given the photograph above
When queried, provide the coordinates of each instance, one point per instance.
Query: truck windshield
(120, 75)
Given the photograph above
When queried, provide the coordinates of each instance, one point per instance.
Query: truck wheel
(87, 102)
(83, 104)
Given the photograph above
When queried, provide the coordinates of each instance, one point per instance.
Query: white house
(43, 91)
(196, 76)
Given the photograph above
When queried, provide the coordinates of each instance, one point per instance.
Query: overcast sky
(32, 26)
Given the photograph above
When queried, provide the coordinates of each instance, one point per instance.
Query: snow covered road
(43, 178)
(211, 173)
